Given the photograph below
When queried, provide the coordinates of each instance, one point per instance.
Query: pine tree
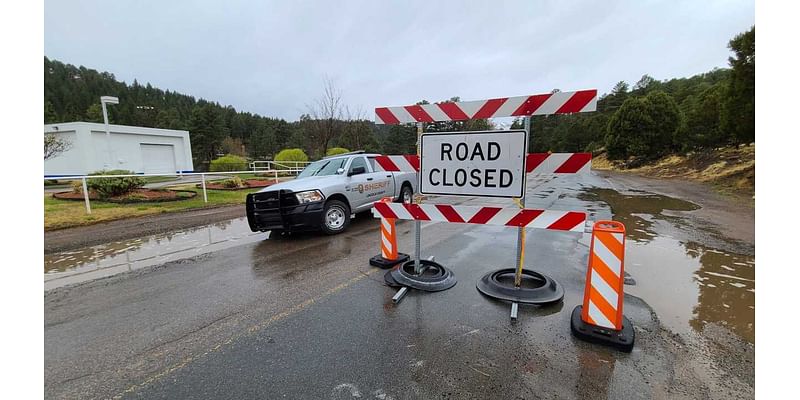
(207, 127)
(402, 139)
(94, 113)
(739, 107)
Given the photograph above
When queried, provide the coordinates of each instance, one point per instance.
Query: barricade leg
(389, 256)
(529, 287)
(599, 319)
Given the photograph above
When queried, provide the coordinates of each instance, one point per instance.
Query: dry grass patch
(730, 169)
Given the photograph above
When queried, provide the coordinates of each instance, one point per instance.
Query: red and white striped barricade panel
(573, 221)
(536, 163)
(404, 163)
(520, 106)
(558, 163)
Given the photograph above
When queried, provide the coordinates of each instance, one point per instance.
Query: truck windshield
(323, 167)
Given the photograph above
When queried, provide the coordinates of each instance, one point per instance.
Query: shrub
(228, 163)
(234, 182)
(110, 187)
(291, 155)
(77, 186)
(643, 127)
(336, 150)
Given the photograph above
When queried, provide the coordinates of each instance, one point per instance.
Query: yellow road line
(253, 329)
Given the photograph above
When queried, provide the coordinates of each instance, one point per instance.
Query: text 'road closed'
(473, 163)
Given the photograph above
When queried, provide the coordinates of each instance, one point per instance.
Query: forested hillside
(655, 118)
(638, 123)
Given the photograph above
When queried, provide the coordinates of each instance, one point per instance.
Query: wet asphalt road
(306, 317)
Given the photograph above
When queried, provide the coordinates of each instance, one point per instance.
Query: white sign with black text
(487, 164)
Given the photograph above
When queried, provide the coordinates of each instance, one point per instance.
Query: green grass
(60, 214)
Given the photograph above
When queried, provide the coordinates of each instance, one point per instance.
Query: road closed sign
(487, 164)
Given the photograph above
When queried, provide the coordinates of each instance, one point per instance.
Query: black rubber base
(383, 263)
(434, 277)
(390, 280)
(621, 340)
(535, 288)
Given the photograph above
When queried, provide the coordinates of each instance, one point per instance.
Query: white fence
(293, 167)
(202, 176)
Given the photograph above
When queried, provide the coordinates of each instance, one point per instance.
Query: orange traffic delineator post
(389, 256)
(600, 319)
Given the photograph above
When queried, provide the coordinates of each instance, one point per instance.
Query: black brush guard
(280, 210)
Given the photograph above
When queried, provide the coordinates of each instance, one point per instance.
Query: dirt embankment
(730, 170)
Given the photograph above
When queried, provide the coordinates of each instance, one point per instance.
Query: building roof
(113, 128)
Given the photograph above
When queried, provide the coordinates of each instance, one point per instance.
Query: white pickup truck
(326, 194)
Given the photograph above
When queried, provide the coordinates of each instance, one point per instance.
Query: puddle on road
(629, 208)
(89, 263)
(689, 284)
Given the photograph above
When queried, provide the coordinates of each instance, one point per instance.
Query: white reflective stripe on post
(205, 195)
(604, 288)
(597, 316)
(86, 196)
(607, 257)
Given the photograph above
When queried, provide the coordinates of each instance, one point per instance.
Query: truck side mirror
(357, 170)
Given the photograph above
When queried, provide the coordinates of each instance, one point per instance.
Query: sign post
(418, 200)
(521, 232)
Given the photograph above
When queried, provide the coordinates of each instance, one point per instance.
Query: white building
(133, 148)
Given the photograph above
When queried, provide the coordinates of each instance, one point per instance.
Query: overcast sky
(271, 57)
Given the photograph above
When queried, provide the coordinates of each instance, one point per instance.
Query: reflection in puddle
(687, 283)
(727, 285)
(629, 208)
(81, 265)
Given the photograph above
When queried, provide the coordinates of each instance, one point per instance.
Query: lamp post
(103, 101)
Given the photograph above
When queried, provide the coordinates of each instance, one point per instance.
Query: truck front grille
(265, 209)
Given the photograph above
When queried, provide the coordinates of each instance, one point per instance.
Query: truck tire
(406, 194)
(335, 217)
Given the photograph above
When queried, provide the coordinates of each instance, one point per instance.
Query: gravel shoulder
(129, 228)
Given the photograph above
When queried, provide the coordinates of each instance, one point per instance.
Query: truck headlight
(309, 196)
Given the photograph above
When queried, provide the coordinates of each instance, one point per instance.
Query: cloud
(271, 57)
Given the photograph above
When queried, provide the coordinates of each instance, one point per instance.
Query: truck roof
(350, 154)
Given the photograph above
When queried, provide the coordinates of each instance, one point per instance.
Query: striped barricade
(573, 221)
(519, 106)
(558, 163)
(536, 163)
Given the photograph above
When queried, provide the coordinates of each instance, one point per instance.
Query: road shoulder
(129, 228)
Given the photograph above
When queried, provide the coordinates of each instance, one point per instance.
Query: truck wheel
(335, 217)
(406, 195)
